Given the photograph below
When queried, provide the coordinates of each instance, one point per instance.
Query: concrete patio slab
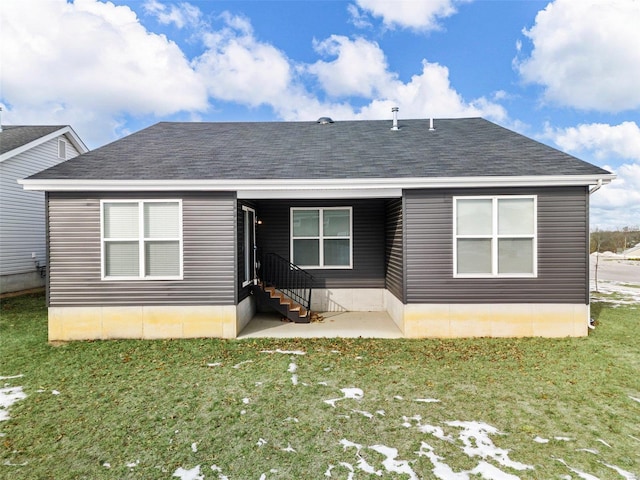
(334, 325)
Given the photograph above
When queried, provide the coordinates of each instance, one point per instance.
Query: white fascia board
(320, 193)
(76, 140)
(247, 188)
(68, 131)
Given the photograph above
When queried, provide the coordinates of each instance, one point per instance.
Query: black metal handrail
(291, 280)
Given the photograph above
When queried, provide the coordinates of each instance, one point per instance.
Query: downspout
(591, 321)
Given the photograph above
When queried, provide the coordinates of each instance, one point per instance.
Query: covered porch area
(333, 325)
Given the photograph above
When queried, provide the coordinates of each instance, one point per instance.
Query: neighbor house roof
(314, 155)
(15, 139)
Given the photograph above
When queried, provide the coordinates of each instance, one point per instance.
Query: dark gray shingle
(15, 136)
(307, 150)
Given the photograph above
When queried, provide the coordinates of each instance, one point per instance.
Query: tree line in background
(616, 241)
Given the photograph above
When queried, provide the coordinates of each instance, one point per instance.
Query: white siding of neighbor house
(22, 213)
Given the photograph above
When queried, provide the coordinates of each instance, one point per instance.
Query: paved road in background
(616, 270)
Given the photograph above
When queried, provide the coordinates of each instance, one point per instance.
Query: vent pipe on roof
(394, 110)
(431, 128)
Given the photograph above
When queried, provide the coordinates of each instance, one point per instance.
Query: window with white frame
(321, 237)
(142, 239)
(495, 236)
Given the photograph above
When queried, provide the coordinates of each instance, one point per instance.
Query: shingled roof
(468, 147)
(15, 136)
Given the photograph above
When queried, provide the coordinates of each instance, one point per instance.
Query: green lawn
(218, 409)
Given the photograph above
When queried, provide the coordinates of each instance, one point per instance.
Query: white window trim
(245, 211)
(321, 238)
(141, 240)
(494, 237)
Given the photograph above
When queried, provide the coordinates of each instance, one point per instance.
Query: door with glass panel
(249, 247)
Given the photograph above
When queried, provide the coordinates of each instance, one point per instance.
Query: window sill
(488, 276)
(140, 279)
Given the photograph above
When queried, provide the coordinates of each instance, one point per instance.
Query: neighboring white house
(25, 150)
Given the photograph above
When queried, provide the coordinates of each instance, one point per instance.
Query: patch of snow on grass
(217, 469)
(623, 473)
(9, 396)
(193, 474)
(541, 440)
(261, 442)
(563, 439)
(393, 465)
(246, 400)
(133, 464)
(583, 475)
(11, 377)
(440, 469)
(444, 472)
(194, 447)
(634, 399)
(486, 470)
(603, 442)
(482, 446)
(588, 450)
(434, 430)
(289, 449)
(55, 392)
(238, 365)
(292, 368)
(630, 293)
(427, 400)
(216, 364)
(363, 413)
(354, 393)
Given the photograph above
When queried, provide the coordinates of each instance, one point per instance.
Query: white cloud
(237, 67)
(120, 70)
(411, 14)
(602, 140)
(617, 204)
(181, 15)
(91, 62)
(585, 54)
(360, 67)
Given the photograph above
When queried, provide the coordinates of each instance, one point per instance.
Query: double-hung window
(141, 239)
(495, 236)
(321, 237)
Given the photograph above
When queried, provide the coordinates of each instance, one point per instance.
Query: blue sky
(565, 72)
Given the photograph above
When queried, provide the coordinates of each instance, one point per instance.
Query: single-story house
(455, 227)
(25, 150)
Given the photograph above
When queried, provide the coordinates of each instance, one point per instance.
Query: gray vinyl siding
(562, 259)
(22, 217)
(209, 254)
(368, 271)
(394, 248)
